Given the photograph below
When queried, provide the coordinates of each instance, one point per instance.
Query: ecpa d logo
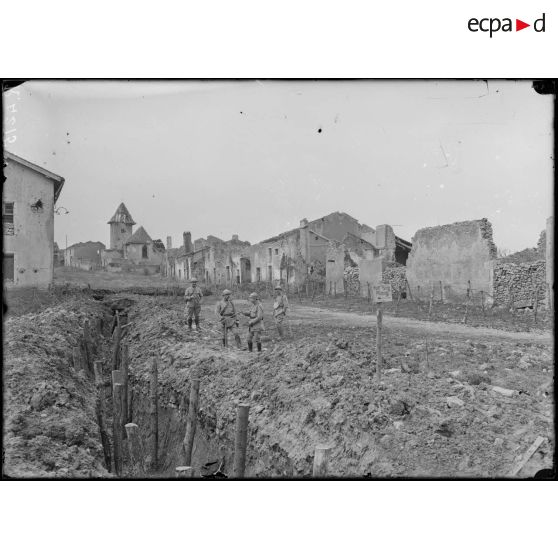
(492, 25)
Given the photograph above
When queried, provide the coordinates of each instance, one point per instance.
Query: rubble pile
(395, 275)
(50, 426)
(351, 277)
(520, 282)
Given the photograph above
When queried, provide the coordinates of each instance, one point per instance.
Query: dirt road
(300, 314)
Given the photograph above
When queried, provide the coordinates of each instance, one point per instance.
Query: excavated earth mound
(50, 427)
(435, 415)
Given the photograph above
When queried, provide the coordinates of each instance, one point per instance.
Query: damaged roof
(122, 215)
(58, 180)
(139, 237)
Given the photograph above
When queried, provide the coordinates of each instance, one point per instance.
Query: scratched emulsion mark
(10, 133)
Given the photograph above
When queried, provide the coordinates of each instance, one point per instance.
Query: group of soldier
(229, 316)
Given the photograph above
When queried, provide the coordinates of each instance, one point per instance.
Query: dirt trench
(441, 419)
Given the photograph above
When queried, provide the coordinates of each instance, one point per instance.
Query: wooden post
(335, 290)
(398, 300)
(307, 289)
(379, 342)
(321, 459)
(313, 290)
(528, 454)
(482, 303)
(431, 300)
(116, 343)
(241, 439)
(117, 426)
(184, 472)
(117, 378)
(330, 288)
(88, 347)
(124, 375)
(76, 354)
(441, 293)
(193, 405)
(427, 360)
(409, 290)
(101, 411)
(135, 449)
(369, 295)
(154, 412)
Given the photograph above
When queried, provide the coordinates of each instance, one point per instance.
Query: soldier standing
(229, 319)
(193, 296)
(280, 307)
(255, 324)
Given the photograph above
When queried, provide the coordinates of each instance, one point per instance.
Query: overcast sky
(254, 157)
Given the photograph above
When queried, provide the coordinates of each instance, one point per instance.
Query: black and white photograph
(278, 279)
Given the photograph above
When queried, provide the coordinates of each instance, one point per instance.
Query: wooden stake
(193, 405)
(88, 348)
(116, 343)
(482, 304)
(398, 300)
(379, 342)
(409, 290)
(76, 354)
(124, 374)
(117, 427)
(154, 412)
(369, 295)
(431, 300)
(184, 472)
(241, 439)
(321, 459)
(135, 449)
(101, 411)
(117, 378)
(441, 293)
(528, 454)
(427, 360)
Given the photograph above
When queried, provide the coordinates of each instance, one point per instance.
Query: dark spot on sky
(319, 130)
(241, 112)
(67, 133)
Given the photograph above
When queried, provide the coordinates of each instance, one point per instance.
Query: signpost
(382, 293)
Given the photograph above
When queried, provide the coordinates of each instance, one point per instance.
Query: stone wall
(519, 282)
(395, 274)
(454, 255)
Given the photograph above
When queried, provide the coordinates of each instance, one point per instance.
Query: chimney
(187, 237)
(303, 223)
(169, 242)
(235, 237)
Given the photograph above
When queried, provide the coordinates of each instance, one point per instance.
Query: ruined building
(84, 255)
(459, 262)
(290, 258)
(29, 195)
(131, 251)
(211, 259)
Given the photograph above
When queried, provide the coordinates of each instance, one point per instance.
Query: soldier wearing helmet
(229, 319)
(255, 324)
(280, 307)
(193, 297)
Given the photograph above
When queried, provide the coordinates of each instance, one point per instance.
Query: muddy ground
(434, 413)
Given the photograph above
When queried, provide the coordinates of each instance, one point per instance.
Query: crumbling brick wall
(519, 283)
